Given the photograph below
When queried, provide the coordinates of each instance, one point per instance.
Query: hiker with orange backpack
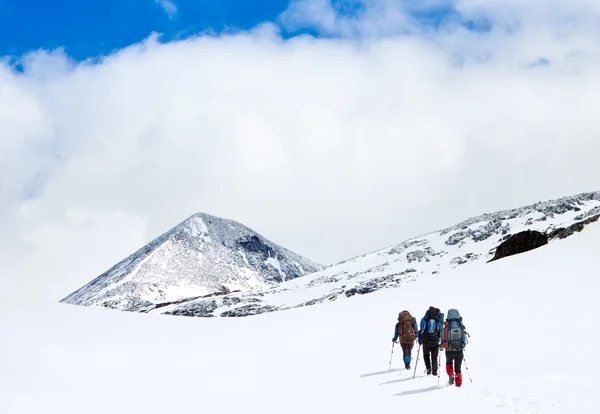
(454, 342)
(405, 333)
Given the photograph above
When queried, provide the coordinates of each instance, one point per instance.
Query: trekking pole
(467, 367)
(439, 367)
(417, 361)
(391, 356)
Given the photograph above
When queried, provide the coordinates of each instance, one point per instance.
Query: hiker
(454, 342)
(406, 331)
(429, 338)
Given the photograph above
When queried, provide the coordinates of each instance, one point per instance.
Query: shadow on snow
(412, 392)
(381, 373)
(401, 380)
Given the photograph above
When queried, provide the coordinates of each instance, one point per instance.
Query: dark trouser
(430, 353)
(455, 357)
(406, 352)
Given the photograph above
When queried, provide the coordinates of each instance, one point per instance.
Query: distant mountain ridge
(211, 267)
(204, 255)
(469, 241)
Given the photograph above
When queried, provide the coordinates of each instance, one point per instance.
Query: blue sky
(91, 28)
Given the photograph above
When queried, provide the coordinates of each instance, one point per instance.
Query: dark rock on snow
(248, 310)
(519, 243)
(198, 309)
(562, 233)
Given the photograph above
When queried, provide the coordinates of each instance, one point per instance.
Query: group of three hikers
(434, 335)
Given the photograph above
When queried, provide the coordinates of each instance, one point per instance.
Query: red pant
(453, 362)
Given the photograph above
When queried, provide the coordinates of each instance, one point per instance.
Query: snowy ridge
(203, 255)
(471, 241)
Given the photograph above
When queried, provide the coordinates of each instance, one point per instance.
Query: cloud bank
(380, 130)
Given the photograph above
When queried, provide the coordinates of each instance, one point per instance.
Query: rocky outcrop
(199, 309)
(519, 243)
(562, 232)
(248, 310)
(531, 239)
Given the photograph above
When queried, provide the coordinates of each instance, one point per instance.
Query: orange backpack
(406, 330)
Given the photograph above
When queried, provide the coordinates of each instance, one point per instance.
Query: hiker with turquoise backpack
(429, 337)
(405, 332)
(454, 342)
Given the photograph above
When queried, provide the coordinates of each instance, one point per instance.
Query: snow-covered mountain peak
(203, 255)
(472, 240)
(195, 227)
(207, 228)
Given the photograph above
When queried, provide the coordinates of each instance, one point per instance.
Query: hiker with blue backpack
(429, 338)
(405, 333)
(454, 341)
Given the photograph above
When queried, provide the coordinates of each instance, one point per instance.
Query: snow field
(331, 357)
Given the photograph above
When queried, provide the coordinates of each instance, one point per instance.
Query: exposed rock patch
(464, 259)
(198, 309)
(562, 233)
(248, 310)
(519, 243)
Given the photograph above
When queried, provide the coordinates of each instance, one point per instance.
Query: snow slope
(472, 241)
(202, 256)
(331, 358)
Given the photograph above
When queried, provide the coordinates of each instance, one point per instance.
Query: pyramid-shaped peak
(217, 229)
(204, 254)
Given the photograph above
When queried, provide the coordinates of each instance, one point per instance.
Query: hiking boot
(435, 373)
(407, 366)
(429, 371)
(458, 379)
(451, 380)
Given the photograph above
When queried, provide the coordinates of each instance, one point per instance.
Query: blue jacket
(424, 324)
(396, 334)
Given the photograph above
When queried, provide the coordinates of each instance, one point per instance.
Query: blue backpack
(431, 331)
(456, 336)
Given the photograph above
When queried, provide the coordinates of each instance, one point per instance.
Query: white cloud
(349, 18)
(329, 147)
(168, 6)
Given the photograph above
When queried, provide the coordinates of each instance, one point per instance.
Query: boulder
(519, 243)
